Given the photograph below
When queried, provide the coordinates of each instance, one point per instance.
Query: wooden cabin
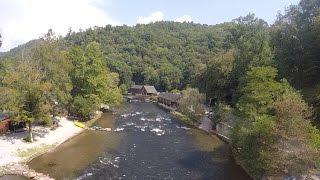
(149, 90)
(169, 99)
(135, 90)
(143, 90)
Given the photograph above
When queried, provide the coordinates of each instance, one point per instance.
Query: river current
(146, 143)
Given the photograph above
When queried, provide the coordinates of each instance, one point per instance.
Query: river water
(146, 143)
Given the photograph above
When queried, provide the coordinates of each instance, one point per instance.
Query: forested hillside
(265, 76)
(165, 54)
(173, 55)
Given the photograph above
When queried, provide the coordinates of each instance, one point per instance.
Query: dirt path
(206, 124)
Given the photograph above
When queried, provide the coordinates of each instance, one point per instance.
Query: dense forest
(263, 76)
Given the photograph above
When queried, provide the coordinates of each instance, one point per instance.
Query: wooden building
(135, 90)
(143, 90)
(149, 90)
(169, 99)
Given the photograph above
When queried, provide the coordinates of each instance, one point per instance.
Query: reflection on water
(146, 143)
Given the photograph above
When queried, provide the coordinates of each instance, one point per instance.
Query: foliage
(259, 91)
(274, 135)
(25, 94)
(92, 82)
(296, 146)
(170, 76)
(175, 91)
(215, 77)
(183, 118)
(151, 76)
(192, 104)
(251, 38)
(224, 113)
(162, 54)
(295, 37)
(85, 106)
(55, 67)
(124, 71)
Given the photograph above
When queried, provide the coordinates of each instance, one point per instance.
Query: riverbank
(181, 117)
(145, 143)
(70, 159)
(15, 152)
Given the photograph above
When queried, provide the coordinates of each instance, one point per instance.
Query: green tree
(124, 71)
(259, 91)
(216, 78)
(295, 37)
(91, 78)
(192, 103)
(170, 76)
(274, 134)
(151, 76)
(55, 67)
(25, 95)
(251, 38)
(297, 140)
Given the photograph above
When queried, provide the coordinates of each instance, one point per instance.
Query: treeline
(259, 74)
(47, 81)
(165, 54)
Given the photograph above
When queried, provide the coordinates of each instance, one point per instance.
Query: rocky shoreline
(22, 169)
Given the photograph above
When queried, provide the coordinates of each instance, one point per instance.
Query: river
(146, 143)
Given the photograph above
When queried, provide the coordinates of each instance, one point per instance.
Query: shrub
(223, 113)
(274, 134)
(192, 104)
(84, 107)
(184, 119)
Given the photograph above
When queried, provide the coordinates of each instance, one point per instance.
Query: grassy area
(34, 151)
(183, 118)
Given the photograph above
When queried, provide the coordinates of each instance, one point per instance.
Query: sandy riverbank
(14, 149)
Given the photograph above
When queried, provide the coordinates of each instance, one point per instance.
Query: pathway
(206, 124)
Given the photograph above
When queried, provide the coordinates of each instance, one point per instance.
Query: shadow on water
(208, 166)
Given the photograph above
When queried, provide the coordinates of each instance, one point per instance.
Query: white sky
(23, 20)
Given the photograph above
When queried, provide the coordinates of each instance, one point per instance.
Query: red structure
(4, 124)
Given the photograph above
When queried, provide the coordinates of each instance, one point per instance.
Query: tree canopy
(253, 69)
(93, 83)
(274, 135)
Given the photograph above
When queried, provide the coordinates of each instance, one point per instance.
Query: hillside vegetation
(267, 75)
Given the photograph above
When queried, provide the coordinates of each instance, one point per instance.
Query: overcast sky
(23, 20)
